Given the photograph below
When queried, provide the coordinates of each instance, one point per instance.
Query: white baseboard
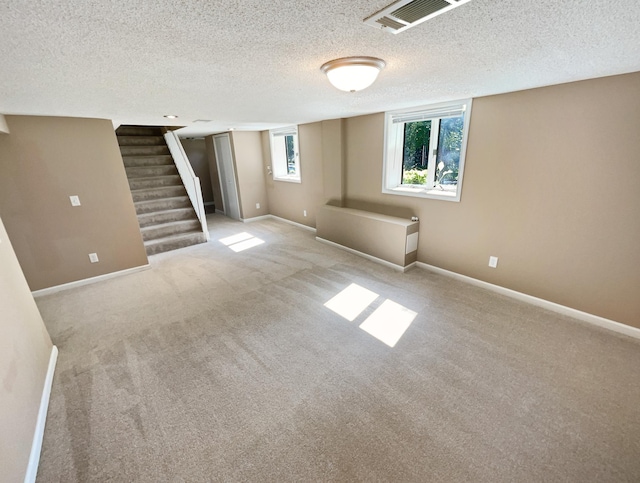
(294, 223)
(399, 268)
(552, 306)
(220, 212)
(36, 446)
(256, 218)
(277, 218)
(87, 281)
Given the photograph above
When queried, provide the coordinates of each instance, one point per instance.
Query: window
(425, 149)
(285, 157)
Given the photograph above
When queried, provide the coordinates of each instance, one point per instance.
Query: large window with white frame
(425, 150)
(285, 157)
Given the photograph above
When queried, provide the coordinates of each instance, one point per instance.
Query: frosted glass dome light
(353, 74)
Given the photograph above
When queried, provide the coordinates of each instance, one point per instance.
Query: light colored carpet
(218, 365)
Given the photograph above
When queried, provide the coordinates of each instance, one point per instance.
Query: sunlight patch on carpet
(241, 241)
(351, 301)
(389, 322)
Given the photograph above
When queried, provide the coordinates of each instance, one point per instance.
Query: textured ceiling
(255, 64)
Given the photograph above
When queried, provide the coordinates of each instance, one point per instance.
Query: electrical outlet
(75, 200)
(493, 262)
(304, 212)
(257, 206)
(93, 257)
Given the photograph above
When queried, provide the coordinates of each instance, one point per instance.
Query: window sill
(419, 192)
(288, 179)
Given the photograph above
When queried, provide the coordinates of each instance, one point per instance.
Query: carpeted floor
(217, 365)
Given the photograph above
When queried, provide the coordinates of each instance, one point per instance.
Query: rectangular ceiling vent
(404, 14)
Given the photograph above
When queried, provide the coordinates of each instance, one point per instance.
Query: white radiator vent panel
(412, 243)
(404, 14)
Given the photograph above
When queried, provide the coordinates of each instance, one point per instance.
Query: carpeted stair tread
(166, 216)
(139, 131)
(162, 204)
(143, 150)
(155, 182)
(172, 228)
(166, 244)
(157, 193)
(151, 171)
(142, 161)
(140, 140)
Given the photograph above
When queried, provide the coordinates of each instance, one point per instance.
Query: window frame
(280, 165)
(392, 166)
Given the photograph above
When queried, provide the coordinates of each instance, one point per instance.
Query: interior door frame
(228, 198)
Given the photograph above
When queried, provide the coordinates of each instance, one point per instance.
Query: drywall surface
(25, 349)
(44, 161)
(247, 154)
(291, 200)
(213, 173)
(550, 187)
(333, 162)
(196, 151)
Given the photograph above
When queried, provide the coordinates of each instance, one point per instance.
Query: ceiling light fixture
(171, 116)
(353, 74)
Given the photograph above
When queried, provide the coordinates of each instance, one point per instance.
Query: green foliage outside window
(414, 176)
(417, 136)
(416, 145)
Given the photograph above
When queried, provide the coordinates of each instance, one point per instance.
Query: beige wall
(25, 349)
(44, 161)
(333, 161)
(250, 173)
(290, 200)
(213, 173)
(551, 187)
(196, 151)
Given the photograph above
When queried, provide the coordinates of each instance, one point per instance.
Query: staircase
(165, 214)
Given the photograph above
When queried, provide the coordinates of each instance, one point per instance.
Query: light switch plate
(493, 262)
(75, 200)
(93, 257)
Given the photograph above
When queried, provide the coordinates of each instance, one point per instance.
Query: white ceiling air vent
(404, 14)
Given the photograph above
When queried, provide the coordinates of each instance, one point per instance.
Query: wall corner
(4, 127)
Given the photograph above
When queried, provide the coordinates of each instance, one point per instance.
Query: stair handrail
(189, 179)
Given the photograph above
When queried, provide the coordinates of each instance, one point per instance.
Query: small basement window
(285, 157)
(425, 150)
